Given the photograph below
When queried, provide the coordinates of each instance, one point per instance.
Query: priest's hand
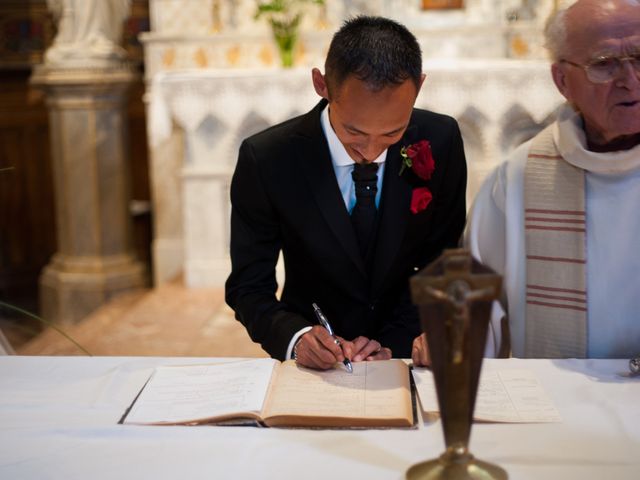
(420, 352)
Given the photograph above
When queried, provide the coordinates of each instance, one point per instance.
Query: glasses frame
(588, 68)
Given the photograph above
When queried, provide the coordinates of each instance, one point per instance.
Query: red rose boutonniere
(418, 158)
(420, 199)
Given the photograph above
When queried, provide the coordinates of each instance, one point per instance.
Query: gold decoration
(233, 55)
(266, 55)
(322, 22)
(299, 52)
(200, 58)
(216, 26)
(519, 46)
(169, 57)
(441, 4)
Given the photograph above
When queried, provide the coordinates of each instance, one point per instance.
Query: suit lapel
(318, 171)
(394, 205)
(394, 211)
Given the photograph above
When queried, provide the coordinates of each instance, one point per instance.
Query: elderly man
(560, 218)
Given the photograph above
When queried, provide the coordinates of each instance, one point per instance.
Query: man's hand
(317, 349)
(363, 348)
(420, 352)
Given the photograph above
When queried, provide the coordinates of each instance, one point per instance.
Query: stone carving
(89, 32)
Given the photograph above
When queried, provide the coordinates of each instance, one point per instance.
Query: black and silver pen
(325, 323)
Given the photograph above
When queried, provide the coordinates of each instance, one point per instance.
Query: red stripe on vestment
(556, 297)
(554, 289)
(556, 259)
(553, 220)
(555, 229)
(553, 305)
(559, 212)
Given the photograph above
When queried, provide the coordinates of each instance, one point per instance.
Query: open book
(376, 394)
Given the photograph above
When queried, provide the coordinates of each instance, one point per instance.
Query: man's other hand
(420, 352)
(363, 348)
(317, 349)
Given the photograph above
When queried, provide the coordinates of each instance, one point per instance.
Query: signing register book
(271, 393)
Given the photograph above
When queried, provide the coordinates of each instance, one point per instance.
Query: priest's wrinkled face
(600, 73)
(368, 121)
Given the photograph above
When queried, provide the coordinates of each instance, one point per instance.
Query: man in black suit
(332, 190)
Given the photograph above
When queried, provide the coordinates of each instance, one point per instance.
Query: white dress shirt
(342, 166)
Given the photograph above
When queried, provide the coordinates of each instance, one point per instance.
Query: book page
(376, 394)
(192, 393)
(509, 396)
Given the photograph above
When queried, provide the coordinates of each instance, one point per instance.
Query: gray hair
(555, 34)
(555, 31)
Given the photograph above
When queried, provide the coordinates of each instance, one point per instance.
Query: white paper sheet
(188, 393)
(509, 396)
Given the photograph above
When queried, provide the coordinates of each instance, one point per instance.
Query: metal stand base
(455, 464)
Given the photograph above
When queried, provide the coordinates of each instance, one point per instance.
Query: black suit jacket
(285, 196)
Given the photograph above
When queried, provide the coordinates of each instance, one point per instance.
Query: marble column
(86, 79)
(94, 261)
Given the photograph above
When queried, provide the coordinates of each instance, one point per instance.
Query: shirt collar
(339, 155)
(571, 141)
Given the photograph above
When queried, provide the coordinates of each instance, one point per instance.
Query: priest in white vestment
(560, 219)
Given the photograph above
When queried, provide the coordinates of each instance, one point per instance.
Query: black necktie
(363, 215)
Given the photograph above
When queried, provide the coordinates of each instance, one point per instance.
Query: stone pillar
(86, 79)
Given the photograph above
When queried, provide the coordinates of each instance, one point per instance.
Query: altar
(197, 120)
(210, 88)
(59, 419)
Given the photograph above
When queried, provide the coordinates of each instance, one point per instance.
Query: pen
(325, 323)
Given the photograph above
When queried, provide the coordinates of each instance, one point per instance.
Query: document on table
(180, 393)
(267, 392)
(507, 396)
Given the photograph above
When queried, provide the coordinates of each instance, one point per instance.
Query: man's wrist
(295, 349)
(294, 340)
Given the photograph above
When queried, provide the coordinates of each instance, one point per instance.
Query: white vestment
(495, 235)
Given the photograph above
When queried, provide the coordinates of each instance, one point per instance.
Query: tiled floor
(170, 320)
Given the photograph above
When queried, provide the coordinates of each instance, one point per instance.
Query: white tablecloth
(58, 419)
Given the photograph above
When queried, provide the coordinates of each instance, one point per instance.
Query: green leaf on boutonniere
(406, 160)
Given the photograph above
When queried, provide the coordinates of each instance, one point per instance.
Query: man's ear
(560, 79)
(319, 83)
(422, 78)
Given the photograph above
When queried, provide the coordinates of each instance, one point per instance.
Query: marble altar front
(498, 103)
(223, 33)
(213, 78)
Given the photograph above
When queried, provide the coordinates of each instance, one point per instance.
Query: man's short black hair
(376, 50)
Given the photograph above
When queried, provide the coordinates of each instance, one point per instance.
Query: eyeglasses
(605, 69)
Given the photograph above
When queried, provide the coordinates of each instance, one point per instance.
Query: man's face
(610, 110)
(368, 122)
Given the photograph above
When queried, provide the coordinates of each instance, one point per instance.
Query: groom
(358, 194)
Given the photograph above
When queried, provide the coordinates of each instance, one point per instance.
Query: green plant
(284, 16)
(45, 322)
(8, 306)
